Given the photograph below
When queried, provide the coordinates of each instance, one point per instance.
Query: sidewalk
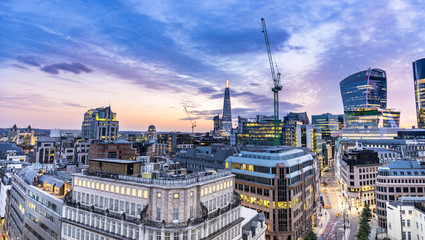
(322, 223)
(374, 227)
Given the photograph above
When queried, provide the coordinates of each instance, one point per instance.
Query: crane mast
(276, 84)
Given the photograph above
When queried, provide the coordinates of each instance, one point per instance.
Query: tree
(366, 212)
(364, 227)
(311, 236)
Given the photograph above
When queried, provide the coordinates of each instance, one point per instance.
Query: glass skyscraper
(419, 78)
(226, 121)
(365, 89)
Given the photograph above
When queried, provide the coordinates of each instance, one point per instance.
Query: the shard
(226, 121)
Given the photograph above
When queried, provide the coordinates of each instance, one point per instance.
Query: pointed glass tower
(226, 121)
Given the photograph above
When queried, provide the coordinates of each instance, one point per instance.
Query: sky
(148, 59)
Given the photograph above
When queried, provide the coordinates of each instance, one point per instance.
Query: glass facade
(372, 118)
(419, 78)
(329, 123)
(365, 89)
(226, 121)
(257, 133)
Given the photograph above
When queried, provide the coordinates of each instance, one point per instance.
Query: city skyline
(148, 59)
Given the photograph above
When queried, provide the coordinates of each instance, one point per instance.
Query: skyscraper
(365, 89)
(100, 124)
(419, 78)
(226, 121)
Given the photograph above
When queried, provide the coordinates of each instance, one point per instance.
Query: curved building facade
(419, 78)
(365, 89)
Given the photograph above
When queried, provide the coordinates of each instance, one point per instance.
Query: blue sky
(148, 59)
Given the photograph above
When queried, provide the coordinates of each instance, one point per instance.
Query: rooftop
(167, 179)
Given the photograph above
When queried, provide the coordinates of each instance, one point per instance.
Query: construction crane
(276, 85)
(192, 122)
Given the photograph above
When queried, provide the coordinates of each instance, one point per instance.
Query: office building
(398, 179)
(100, 124)
(217, 125)
(329, 123)
(281, 182)
(365, 89)
(204, 158)
(356, 177)
(257, 131)
(47, 149)
(151, 134)
(419, 81)
(415, 133)
(167, 205)
(7, 170)
(406, 218)
(372, 118)
(296, 117)
(36, 199)
(226, 120)
(370, 133)
(405, 149)
(119, 149)
(6, 148)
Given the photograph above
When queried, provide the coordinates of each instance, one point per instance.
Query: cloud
(75, 67)
(18, 66)
(74, 105)
(187, 119)
(30, 60)
(207, 90)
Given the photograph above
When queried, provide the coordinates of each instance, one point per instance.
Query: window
(191, 212)
(139, 193)
(158, 213)
(145, 194)
(176, 214)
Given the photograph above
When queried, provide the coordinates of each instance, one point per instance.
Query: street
(334, 205)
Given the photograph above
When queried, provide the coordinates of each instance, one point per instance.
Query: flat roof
(114, 160)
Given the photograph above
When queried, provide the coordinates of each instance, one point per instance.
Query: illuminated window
(88, 184)
(227, 165)
(92, 185)
(158, 194)
(79, 182)
(123, 190)
(145, 194)
(107, 187)
(176, 195)
(221, 185)
(84, 183)
(209, 189)
(112, 188)
(117, 189)
(191, 193)
(202, 192)
(102, 186)
(97, 186)
(231, 183)
(214, 188)
(139, 193)
(133, 192)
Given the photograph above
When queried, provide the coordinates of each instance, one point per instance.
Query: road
(335, 227)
